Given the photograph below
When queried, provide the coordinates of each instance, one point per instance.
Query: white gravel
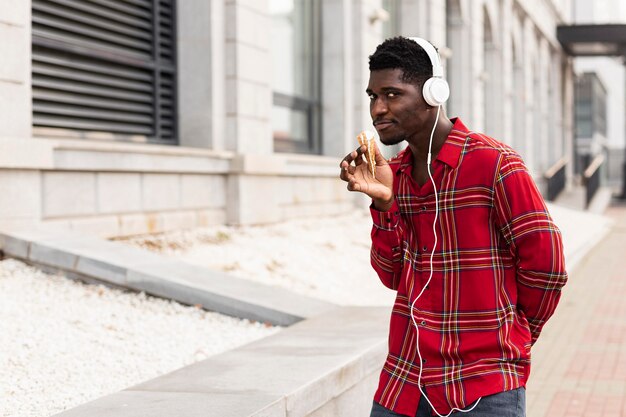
(326, 258)
(63, 343)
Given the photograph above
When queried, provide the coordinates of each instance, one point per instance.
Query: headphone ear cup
(436, 91)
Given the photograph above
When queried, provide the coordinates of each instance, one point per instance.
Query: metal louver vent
(105, 67)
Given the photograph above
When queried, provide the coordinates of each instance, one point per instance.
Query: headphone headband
(435, 90)
(432, 54)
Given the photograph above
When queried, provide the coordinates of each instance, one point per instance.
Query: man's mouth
(382, 124)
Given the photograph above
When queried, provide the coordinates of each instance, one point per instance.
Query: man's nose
(378, 107)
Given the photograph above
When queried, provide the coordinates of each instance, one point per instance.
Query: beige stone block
(284, 185)
(179, 220)
(160, 191)
(210, 217)
(15, 12)
(303, 190)
(69, 194)
(110, 158)
(257, 5)
(57, 224)
(252, 200)
(254, 64)
(334, 209)
(248, 63)
(324, 189)
(26, 153)
(300, 211)
(251, 99)
(15, 51)
(249, 135)
(340, 191)
(200, 191)
(101, 226)
(20, 195)
(317, 209)
(118, 192)
(250, 25)
(254, 136)
(140, 224)
(321, 189)
(15, 110)
(256, 164)
(311, 165)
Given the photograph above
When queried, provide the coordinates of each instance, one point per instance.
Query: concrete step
(324, 366)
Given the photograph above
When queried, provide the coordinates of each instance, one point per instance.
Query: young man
(472, 252)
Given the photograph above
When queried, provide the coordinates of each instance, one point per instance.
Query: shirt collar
(450, 152)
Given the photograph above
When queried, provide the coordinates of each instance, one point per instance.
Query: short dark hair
(405, 54)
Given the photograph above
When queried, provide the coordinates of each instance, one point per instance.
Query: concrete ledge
(20, 153)
(328, 364)
(125, 266)
(285, 165)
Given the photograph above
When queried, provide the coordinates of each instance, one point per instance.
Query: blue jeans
(504, 404)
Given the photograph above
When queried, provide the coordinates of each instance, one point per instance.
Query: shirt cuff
(386, 220)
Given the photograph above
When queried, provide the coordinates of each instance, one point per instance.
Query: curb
(93, 259)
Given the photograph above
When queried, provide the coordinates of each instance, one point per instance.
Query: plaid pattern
(498, 272)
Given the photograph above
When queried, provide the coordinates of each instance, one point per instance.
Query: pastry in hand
(367, 138)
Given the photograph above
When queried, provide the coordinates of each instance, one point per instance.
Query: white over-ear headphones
(435, 90)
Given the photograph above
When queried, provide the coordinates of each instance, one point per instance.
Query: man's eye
(372, 97)
(391, 94)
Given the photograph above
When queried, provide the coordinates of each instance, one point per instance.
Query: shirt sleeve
(534, 239)
(386, 251)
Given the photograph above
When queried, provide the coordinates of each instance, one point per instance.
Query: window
(104, 69)
(295, 58)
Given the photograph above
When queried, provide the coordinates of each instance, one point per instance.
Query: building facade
(121, 118)
(611, 72)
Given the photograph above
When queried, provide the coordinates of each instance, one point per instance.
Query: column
(201, 74)
(248, 93)
(338, 86)
(15, 70)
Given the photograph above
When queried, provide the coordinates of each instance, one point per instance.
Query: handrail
(591, 178)
(555, 178)
(551, 172)
(594, 166)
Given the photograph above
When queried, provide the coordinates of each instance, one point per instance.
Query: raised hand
(355, 171)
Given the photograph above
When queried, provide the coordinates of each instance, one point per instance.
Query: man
(464, 238)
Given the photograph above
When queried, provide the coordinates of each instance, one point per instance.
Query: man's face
(398, 109)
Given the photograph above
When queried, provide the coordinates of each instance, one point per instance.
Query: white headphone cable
(432, 254)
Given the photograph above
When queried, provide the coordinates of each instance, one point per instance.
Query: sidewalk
(579, 362)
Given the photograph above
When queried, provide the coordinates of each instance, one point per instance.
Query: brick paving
(579, 362)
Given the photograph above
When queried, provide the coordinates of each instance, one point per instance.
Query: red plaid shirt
(498, 271)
